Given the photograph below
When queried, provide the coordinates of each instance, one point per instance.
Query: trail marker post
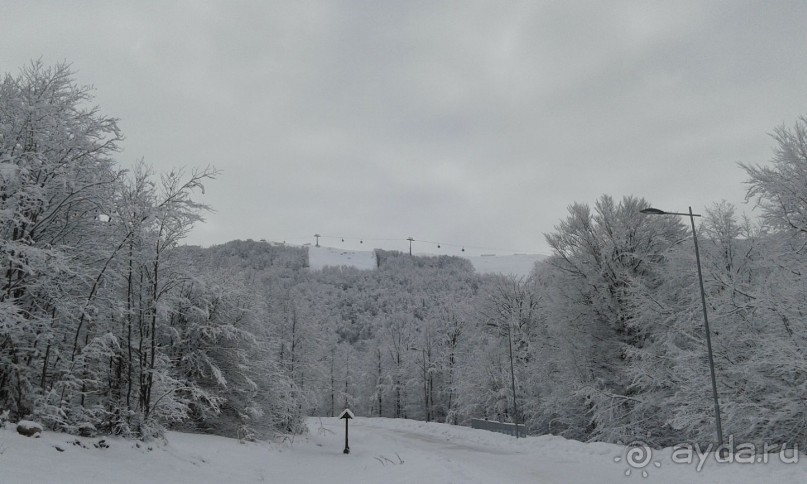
(347, 415)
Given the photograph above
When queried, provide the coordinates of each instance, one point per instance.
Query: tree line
(108, 323)
(104, 324)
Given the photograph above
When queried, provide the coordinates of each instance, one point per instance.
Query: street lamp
(655, 211)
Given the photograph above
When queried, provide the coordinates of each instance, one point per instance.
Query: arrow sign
(347, 415)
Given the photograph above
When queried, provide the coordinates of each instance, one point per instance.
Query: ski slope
(518, 265)
(319, 257)
(382, 451)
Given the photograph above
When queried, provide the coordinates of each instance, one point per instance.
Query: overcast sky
(466, 123)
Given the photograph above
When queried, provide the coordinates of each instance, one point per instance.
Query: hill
(519, 265)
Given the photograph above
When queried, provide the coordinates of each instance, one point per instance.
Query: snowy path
(441, 458)
(405, 451)
(382, 451)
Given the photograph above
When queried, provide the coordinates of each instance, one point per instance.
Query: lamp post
(655, 211)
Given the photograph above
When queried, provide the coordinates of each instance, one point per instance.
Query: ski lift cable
(496, 249)
(357, 238)
(437, 244)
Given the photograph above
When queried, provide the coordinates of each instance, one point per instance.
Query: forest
(110, 324)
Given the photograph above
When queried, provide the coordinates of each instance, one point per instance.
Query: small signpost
(347, 415)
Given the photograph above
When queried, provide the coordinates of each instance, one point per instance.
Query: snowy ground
(319, 257)
(519, 265)
(516, 264)
(382, 451)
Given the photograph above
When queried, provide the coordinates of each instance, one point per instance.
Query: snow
(518, 265)
(382, 450)
(319, 257)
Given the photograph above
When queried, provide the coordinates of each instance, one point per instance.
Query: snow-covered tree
(600, 260)
(57, 180)
(779, 188)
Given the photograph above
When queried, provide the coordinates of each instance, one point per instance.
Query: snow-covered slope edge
(519, 265)
(319, 257)
(381, 450)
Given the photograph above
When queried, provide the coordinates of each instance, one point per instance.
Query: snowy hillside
(517, 264)
(319, 257)
(381, 451)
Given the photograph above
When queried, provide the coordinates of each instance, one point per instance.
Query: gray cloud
(464, 122)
